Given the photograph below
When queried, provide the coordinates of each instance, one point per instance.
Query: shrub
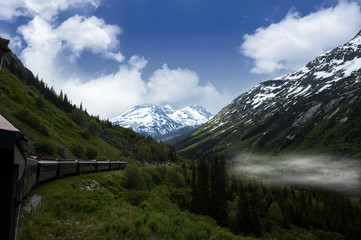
(78, 116)
(93, 127)
(174, 178)
(275, 213)
(26, 116)
(125, 153)
(18, 97)
(134, 178)
(135, 197)
(85, 133)
(91, 153)
(46, 148)
(40, 102)
(77, 150)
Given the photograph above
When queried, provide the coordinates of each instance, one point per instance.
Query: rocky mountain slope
(316, 108)
(162, 122)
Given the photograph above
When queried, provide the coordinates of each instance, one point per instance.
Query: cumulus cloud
(44, 8)
(173, 86)
(77, 34)
(80, 33)
(43, 46)
(295, 40)
(113, 94)
(10, 10)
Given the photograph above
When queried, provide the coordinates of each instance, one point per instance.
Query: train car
(122, 164)
(114, 165)
(103, 166)
(67, 168)
(87, 166)
(47, 170)
(31, 175)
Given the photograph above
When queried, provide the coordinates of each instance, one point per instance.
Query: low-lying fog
(318, 171)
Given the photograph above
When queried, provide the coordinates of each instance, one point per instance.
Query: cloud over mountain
(292, 42)
(126, 88)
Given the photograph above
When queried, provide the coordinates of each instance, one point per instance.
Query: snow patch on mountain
(339, 68)
(157, 121)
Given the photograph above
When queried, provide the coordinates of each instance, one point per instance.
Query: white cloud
(45, 44)
(80, 33)
(11, 9)
(48, 9)
(181, 86)
(113, 94)
(292, 42)
(172, 84)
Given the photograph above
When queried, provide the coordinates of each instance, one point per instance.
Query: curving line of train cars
(41, 170)
(19, 174)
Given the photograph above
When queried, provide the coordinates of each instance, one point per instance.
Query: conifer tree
(201, 188)
(218, 209)
(243, 216)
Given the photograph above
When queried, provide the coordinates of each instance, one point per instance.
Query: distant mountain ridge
(162, 122)
(316, 108)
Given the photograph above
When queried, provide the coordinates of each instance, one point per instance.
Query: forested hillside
(57, 128)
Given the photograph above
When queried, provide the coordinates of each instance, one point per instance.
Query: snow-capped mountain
(287, 111)
(160, 122)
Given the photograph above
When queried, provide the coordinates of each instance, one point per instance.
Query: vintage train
(19, 174)
(39, 170)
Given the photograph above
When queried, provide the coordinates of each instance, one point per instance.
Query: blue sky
(114, 54)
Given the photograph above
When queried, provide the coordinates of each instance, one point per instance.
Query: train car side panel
(103, 166)
(114, 165)
(67, 168)
(122, 164)
(47, 170)
(31, 173)
(87, 166)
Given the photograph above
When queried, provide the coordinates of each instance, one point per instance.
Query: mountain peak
(281, 113)
(158, 121)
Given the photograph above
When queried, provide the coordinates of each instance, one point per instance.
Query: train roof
(6, 126)
(9, 134)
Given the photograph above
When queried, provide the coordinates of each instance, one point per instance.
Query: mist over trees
(250, 207)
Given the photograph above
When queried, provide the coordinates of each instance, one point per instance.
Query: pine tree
(201, 188)
(218, 209)
(254, 216)
(243, 215)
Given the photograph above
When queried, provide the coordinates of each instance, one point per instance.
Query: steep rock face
(162, 122)
(271, 116)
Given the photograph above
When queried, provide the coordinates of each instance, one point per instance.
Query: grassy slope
(63, 132)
